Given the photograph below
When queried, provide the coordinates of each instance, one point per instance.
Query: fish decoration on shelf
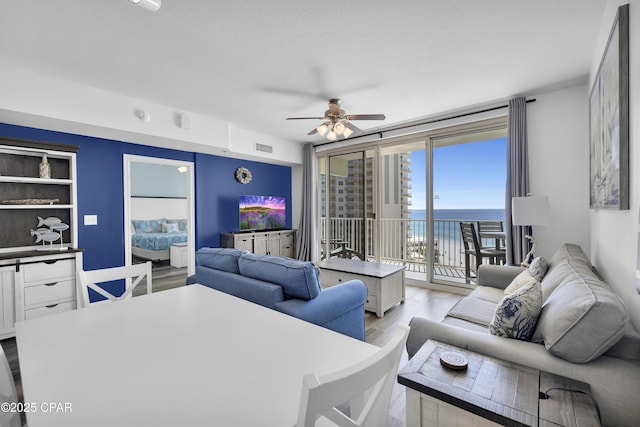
(49, 230)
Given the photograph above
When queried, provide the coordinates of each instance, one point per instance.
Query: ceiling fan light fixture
(152, 5)
(331, 136)
(338, 128)
(347, 132)
(322, 129)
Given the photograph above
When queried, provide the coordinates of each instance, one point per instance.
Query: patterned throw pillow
(538, 268)
(517, 313)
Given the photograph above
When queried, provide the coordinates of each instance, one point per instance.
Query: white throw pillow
(170, 228)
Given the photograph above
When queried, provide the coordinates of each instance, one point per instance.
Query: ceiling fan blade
(352, 126)
(313, 132)
(366, 117)
(304, 118)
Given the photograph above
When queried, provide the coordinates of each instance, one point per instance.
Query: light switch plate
(91, 220)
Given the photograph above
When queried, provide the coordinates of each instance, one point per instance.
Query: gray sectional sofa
(582, 331)
(283, 284)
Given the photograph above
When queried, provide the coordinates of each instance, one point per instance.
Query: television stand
(272, 242)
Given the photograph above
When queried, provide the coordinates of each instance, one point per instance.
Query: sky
(267, 201)
(465, 176)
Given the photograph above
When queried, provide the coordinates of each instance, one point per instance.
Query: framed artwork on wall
(609, 121)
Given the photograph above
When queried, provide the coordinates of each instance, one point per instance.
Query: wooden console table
(385, 282)
(490, 392)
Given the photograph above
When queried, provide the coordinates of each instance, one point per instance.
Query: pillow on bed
(170, 228)
(182, 223)
(148, 225)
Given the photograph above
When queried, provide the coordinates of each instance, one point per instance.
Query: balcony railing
(401, 241)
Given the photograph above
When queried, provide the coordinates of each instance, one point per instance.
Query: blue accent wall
(101, 190)
(216, 175)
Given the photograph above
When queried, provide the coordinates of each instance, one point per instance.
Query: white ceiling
(255, 62)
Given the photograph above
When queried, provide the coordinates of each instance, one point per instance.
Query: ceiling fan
(338, 122)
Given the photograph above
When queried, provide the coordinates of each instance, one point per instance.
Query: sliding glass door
(347, 205)
(402, 201)
(469, 177)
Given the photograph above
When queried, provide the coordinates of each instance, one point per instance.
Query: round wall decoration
(243, 175)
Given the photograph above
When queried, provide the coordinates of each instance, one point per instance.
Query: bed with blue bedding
(152, 238)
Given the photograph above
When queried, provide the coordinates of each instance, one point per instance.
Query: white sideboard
(277, 243)
(36, 283)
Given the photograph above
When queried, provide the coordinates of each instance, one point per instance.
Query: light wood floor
(419, 302)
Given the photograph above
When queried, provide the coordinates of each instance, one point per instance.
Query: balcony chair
(472, 247)
(8, 394)
(491, 230)
(132, 274)
(366, 387)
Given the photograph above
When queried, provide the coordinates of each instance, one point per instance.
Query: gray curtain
(517, 177)
(307, 234)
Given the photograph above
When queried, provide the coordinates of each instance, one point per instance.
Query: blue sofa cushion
(224, 259)
(257, 291)
(299, 279)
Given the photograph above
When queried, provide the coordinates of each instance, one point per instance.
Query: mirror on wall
(159, 218)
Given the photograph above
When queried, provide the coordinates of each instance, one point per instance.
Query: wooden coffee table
(490, 392)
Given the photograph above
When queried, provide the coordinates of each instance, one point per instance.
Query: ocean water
(446, 222)
(460, 214)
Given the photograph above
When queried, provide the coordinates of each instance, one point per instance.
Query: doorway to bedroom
(159, 218)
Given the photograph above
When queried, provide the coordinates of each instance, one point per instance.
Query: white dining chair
(366, 387)
(132, 275)
(8, 394)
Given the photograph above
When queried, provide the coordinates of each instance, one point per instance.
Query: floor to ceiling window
(468, 181)
(401, 201)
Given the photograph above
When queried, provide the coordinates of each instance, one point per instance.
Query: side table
(179, 255)
(490, 392)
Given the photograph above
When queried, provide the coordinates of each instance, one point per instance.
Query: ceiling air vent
(264, 148)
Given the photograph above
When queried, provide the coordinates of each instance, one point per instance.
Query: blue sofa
(283, 284)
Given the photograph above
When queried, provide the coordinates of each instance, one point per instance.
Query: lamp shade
(530, 210)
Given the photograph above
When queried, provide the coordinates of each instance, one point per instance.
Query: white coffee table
(385, 282)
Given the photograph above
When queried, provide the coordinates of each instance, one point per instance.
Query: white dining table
(189, 356)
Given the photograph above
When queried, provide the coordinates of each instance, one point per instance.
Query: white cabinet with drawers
(277, 243)
(38, 191)
(43, 284)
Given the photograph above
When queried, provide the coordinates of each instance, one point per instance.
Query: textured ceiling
(253, 63)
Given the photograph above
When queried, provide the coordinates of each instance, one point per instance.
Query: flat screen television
(262, 213)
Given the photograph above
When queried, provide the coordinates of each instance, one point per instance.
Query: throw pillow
(521, 280)
(538, 268)
(170, 228)
(517, 313)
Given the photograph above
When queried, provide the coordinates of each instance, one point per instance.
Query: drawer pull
(51, 284)
(51, 306)
(50, 261)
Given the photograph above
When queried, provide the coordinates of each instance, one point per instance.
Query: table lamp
(528, 211)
